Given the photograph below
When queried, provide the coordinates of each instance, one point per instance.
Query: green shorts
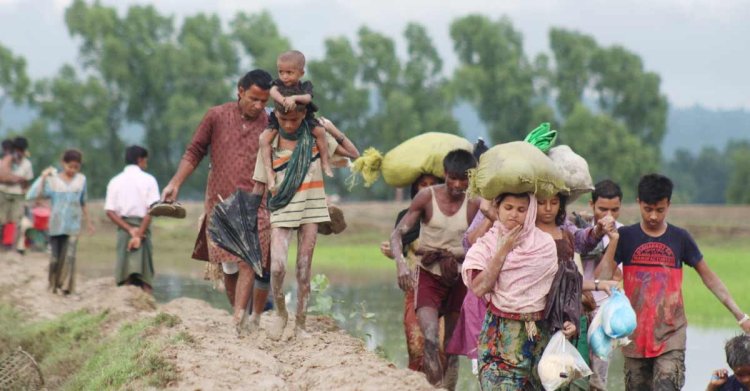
(11, 207)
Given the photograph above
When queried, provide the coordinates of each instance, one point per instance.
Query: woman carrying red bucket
(66, 191)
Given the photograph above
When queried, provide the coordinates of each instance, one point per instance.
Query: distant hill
(696, 127)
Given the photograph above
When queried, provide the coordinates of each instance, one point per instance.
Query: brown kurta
(233, 141)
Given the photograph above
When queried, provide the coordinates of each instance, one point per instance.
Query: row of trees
(145, 71)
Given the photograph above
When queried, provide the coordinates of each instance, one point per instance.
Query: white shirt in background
(131, 192)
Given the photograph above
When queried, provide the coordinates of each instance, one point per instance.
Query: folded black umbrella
(234, 227)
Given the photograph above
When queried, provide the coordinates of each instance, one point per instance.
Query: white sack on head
(574, 169)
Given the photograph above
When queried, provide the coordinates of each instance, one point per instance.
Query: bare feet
(248, 325)
(300, 330)
(278, 325)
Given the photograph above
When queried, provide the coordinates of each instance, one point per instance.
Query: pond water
(384, 331)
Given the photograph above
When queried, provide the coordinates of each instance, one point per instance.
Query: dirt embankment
(327, 359)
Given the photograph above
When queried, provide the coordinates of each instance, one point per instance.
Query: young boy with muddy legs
(738, 359)
(300, 203)
(291, 68)
(445, 212)
(652, 253)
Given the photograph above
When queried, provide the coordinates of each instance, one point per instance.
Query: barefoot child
(66, 191)
(291, 66)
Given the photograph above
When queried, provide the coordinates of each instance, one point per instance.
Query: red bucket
(9, 234)
(40, 216)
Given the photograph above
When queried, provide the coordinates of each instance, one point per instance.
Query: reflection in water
(385, 331)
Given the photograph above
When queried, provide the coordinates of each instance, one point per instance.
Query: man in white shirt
(129, 195)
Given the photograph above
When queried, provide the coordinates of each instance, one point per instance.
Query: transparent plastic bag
(600, 342)
(618, 316)
(561, 363)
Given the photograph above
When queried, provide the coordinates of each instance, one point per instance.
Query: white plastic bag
(561, 363)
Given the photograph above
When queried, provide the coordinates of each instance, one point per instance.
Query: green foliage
(260, 38)
(15, 84)
(612, 152)
(738, 189)
(494, 74)
(150, 72)
(323, 304)
(701, 179)
(74, 353)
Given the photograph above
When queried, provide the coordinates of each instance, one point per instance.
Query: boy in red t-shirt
(652, 253)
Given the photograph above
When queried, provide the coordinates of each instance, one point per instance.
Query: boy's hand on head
(289, 103)
(718, 378)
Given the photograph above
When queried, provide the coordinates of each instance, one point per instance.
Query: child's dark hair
(415, 185)
(653, 188)
(499, 199)
(7, 144)
(256, 77)
(72, 155)
(561, 214)
(458, 162)
(479, 148)
(606, 189)
(20, 143)
(135, 152)
(738, 351)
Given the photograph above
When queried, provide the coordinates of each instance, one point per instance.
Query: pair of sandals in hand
(176, 210)
(167, 209)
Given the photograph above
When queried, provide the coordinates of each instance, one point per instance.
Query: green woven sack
(402, 165)
(515, 167)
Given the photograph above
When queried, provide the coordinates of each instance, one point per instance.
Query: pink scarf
(526, 277)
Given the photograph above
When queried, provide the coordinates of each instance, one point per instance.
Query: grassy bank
(75, 351)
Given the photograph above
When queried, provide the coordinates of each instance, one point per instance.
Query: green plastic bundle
(542, 137)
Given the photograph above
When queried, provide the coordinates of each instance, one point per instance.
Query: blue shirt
(66, 200)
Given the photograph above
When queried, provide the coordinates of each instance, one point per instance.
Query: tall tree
(494, 74)
(738, 189)
(14, 82)
(260, 38)
(611, 150)
(75, 112)
(162, 77)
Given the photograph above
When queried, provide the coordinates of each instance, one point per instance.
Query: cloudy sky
(701, 48)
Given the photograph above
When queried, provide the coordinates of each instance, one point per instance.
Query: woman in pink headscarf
(512, 266)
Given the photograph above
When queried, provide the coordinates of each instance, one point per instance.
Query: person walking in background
(66, 191)
(15, 174)
(129, 195)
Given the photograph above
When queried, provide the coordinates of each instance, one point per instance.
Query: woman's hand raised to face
(510, 240)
